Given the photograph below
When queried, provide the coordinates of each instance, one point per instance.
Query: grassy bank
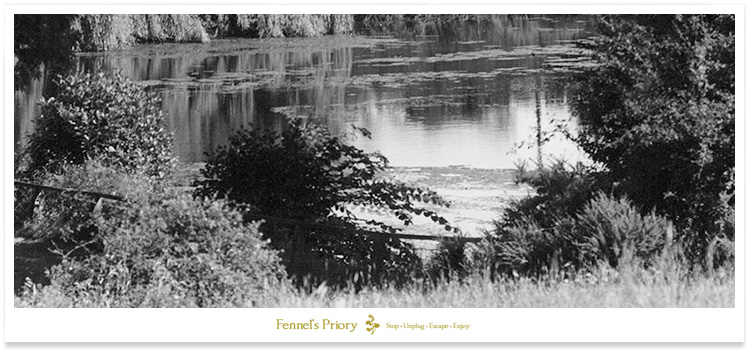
(630, 290)
(704, 292)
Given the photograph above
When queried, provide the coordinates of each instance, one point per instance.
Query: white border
(258, 325)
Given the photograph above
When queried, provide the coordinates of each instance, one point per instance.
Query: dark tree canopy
(41, 40)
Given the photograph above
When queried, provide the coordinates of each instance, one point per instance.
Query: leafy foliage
(165, 249)
(613, 231)
(658, 113)
(536, 229)
(570, 225)
(306, 176)
(450, 260)
(66, 216)
(561, 191)
(109, 118)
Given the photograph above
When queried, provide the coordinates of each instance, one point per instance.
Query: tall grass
(634, 288)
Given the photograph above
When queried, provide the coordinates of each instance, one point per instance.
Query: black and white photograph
(373, 161)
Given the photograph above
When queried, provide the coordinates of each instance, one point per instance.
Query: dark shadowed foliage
(314, 179)
(450, 260)
(562, 191)
(568, 226)
(658, 113)
(41, 41)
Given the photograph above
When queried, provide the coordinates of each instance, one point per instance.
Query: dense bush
(96, 116)
(165, 249)
(658, 113)
(451, 259)
(570, 226)
(561, 191)
(613, 231)
(306, 176)
(536, 229)
(527, 248)
(66, 216)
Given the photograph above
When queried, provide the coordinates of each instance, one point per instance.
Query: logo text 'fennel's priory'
(326, 324)
(371, 326)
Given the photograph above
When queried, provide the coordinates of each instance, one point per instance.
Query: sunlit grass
(627, 290)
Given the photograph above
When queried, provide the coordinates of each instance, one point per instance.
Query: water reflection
(467, 94)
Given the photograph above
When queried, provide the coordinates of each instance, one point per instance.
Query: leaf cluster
(96, 116)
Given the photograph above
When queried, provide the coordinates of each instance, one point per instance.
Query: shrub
(310, 180)
(570, 226)
(109, 118)
(66, 216)
(612, 230)
(658, 113)
(167, 250)
(536, 231)
(561, 191)
(529, 249)
(55, 222)
(451, 259)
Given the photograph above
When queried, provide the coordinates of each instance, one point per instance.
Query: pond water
(482, 95)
